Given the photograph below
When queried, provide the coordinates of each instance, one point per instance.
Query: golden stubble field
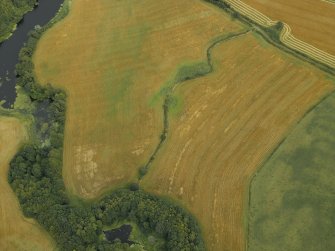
(312, 21)
(113, 58)
(231, 121)
(16, 231)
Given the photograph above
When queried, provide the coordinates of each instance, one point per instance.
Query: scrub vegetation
(11, 12)
(292, 197)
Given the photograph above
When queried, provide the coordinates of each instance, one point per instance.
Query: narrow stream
(10, 48)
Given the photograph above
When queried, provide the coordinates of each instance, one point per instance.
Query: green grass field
(292, 199)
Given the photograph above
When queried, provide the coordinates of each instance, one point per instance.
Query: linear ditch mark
(168, 97)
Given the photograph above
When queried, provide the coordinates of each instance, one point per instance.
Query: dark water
(122, 233)
(9, 49)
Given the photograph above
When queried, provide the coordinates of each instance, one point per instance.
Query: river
(10, 48)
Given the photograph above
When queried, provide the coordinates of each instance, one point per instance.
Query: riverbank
(10, 48)
(18, 232)
(10, 16)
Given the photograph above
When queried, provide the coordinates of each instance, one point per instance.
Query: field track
(231, 120)
(286, 36)
(16, 231)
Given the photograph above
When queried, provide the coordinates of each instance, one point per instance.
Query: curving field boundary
(286, 36)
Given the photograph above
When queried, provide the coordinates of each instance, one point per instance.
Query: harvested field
(230, 121)
(114, 59)
(16, 231)
(311, 21)
(292, 197)
(286, 36)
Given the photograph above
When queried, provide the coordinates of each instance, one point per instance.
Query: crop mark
(170, 91)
